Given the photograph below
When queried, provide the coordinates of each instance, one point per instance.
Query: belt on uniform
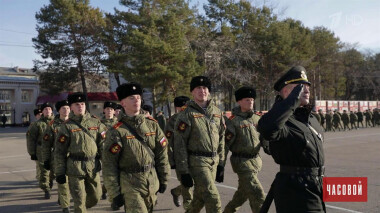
(317, 171)
(244, 155)
(81, 158)
(145, 168)
(203, 154)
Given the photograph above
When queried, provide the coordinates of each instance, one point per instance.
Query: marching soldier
(50, 135)
(160, 117)
(77, 154)
(242, 139)
(323, 118)
(368, 118)
(180, 105)
(199, 147)
(35, 139)
(353, 120)
(336, 120)
(296, 143)
(376, 117)
(135, 158)
(118, 109)
(346, 120)
(360, 116)
(329, 121)
(148, 109)
(31, 144)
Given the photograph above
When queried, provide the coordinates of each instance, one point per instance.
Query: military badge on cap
(62, 139)
(115, 148)
(182, 126)
(163, 142)
(296, 75)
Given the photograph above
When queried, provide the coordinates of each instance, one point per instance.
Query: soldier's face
(108, 112)
(78, 108)
(64, 111)
(38, 116)
(131, 104)
(200, 93)
(305, 93)
(47, 111)
(246, 104)
(117, 112)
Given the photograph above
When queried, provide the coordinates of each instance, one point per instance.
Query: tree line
(162, 44)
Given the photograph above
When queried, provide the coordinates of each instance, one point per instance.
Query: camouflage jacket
(109, 122)
(199, 132)
(49, 137)
(35, 136)
(77, 151)
(169, 133)
(345, 118)
(353, 118)
(242, 139)
(125, 155)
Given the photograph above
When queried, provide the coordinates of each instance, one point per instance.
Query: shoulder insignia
(116, 126)
(169, 134)
(183, 107)
(229, 136)
(51, 122)
(231, 117)
(198, 115)
(151, 118)
(130, 137)
(217, 115)
(115, 148)
(93, 128)
(76, 130)
(150, 133)
(62, 139)
(46, 137)
(182, 126)
(163, 142)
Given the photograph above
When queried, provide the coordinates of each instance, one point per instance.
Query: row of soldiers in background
(332, 121)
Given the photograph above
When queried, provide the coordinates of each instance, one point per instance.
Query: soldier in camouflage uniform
(77, 154)
(199, 147)
(360, 116)
(336, 120)
(135, 158)
(242, 139)
(37, 115)
(118, 109)
(323, 118)
(346, 120)
(160, 117)
(35, 139)
(63, 109)
(329, 121)
(368, 118)
(108, 120)
(353, 120)
(376, 117)
(180, 105)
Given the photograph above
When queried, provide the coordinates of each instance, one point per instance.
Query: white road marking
(11, 172)
(12, 156)
(353, 136)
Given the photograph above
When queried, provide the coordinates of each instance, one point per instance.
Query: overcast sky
(353, 21)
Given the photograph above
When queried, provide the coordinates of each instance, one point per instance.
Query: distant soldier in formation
(353, 120)
(316, 115)
(346, 120)
(199, 147)
(337, 120)
(118, 110)
(77, 154)
(50, 136)
(35, 138)
(242, 139)
(376, 117)
(160, 117)
(136, 165)
(360, 116)
(329, 121)
(323, 117)
(368, 118)
(186, 192)
(148, 109)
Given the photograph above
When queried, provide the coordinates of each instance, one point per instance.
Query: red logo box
(345, 189)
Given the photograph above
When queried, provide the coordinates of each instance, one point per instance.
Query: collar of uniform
(135, 120)
(79, 118)
(303, 113)
(237, 112)
(194, 105)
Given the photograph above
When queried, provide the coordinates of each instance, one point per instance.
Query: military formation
(135, 153)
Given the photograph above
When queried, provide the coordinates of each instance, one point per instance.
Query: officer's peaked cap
(296, 75)
(60, 104)
(180, 101)
(76, 97)
(113, 105)
(200, 81)
(128, 89)
(245, 92)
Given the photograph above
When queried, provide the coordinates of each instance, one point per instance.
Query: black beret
(37, 111)
(118, 106)
(148, 108)
(180, 101)
(296, 75)
(76, 97)
(200, 81)
(109, 104)
(60, 104)
(245, 92)
(43, 106)
(128, 89)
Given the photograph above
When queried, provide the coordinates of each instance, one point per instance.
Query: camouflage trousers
(186, 193)
(250, 189)
(205, 191)
(45, 177)
(85, 191)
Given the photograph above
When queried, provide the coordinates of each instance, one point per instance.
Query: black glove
(265, 144)
(117, 202)
(162, 188)
(187, 180)
(61, 179)
(47, 165)
(173, 167)
(296, 92)
(33, 157)
(219, 174)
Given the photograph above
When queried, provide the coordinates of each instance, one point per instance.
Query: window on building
(5, 95)
(26, 96)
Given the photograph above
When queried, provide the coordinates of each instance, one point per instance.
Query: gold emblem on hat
(201, 79)
(134, 88)
(79, 98)
(303, 75)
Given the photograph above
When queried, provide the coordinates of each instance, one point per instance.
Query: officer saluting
(296, 143)
(135, 158)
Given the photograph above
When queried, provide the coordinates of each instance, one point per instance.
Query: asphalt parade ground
(353, 153)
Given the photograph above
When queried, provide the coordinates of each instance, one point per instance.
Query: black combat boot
(66, 210)
(47, 195)
(176, 200)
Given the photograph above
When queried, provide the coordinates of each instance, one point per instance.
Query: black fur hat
(76, 97)
(37, 111)
(60, 104)
(109, 104)
(47, 104)
(180, 101)
(200, 81)
(245, 92)
(128, 89)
